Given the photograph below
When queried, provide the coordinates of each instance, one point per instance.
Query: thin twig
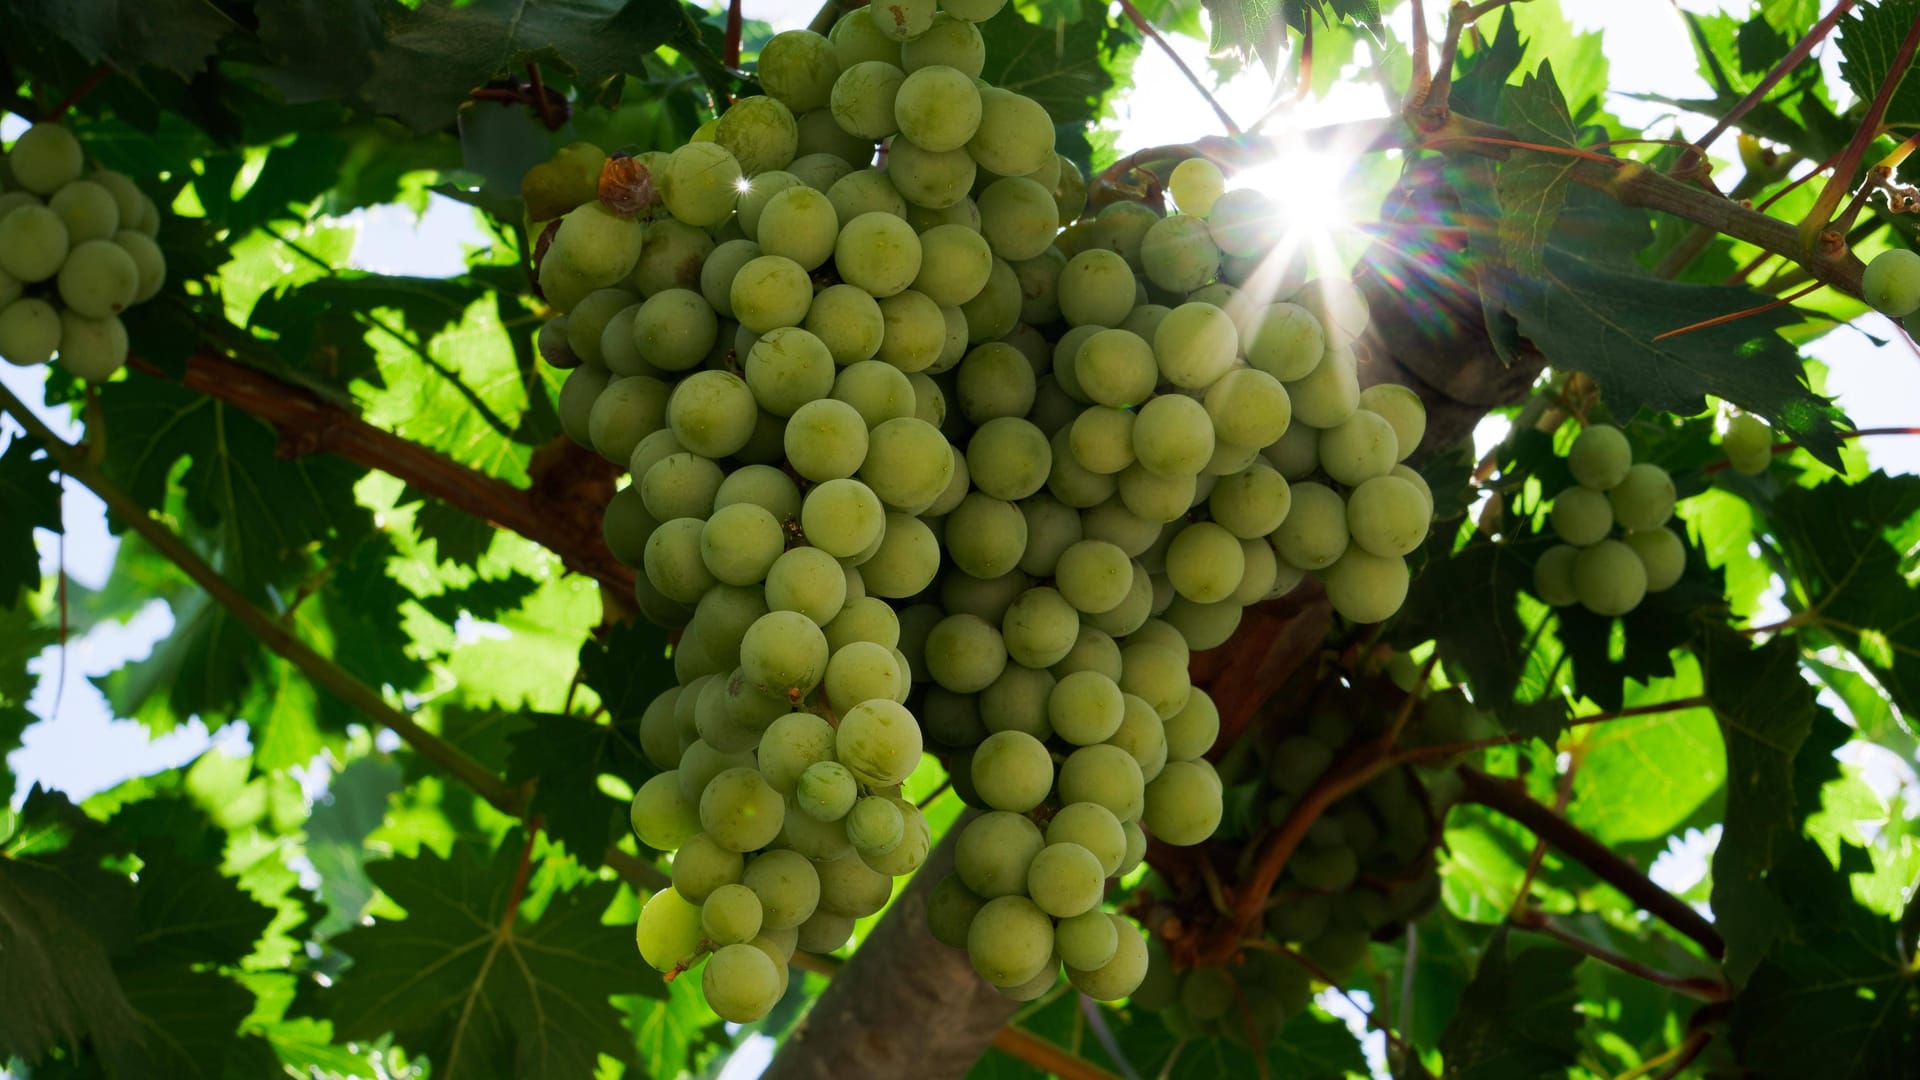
(1800, 51)
(1140, 23)
(323, 672)
(1705, 989)
(1736, 316)
(730, 45)
(86, 86)
(1841, 182)
(1508, 799)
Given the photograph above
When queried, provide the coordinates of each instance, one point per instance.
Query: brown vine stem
(1045, 1056)
(1800, 51)
(730, 44)
(323, 672)
(309, 424)
(1509, 799)
(86, 86)
(1841, 182)
(1702, 988)
(1432, 100)
(525, 870)
(1141, 24)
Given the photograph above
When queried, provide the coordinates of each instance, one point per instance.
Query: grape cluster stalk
(76, 249)
(925, 456)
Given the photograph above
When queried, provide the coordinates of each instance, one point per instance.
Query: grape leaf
(322, 49)
(177, 35)
(61, 917)
(32, 498)
(676, 1034)
(1869, 43)
(1766, 712)
(1838, 539)
(355, 805)
(628, 667)
(1065, 71)
(1834, 997)
(1532, 184)
(1663, 621)
(263, 511)
(567, 755)
(322, 326)
(1259, 27)
(1311, 1046)
(437, 52)
(1641, 777)
(1518, 1016)
(468, 981)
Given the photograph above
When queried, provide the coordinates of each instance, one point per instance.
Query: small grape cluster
(912, 467)
(1363, 869)
(1592, 568)
(75, 251)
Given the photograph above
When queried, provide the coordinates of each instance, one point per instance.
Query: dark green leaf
(1839, 541)
(1518, 1017)
(322, 48)
(177, 35)
(627, 667)
(439, 51)
(32, 498)
(1533, 184)
(1869, 43)
(567, 755)
(1066, 71)
(1765, 711)
(468, 981)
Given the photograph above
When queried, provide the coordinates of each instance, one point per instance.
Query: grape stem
(86, 86)
(1511, 800)
(1786, 447)
(1795, 56)
(1705, 989)
(1838, 185)
(519, 890)
(1735, 316)
(322, 671)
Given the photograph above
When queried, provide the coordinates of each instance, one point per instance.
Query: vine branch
(1841, 181)
(323, 672)
(1508, 799)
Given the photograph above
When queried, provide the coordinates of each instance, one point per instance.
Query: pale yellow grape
(938, 108)
(1328, 395)
(587, 322)
(1178, 254)
(1065, 880)
(1195, 344)
(1096, 288)
(88, 210)
(908, 463)
(1113, 522)
(661, 817)
(91, 348)
(1339, 305)
(848, 322)
(996, 309)
(1119, 228)
(1314, 533)
(1388, 516)
(784, 653)
(877, 391)
(809, 581)
(1191, 731)
(1403, 409)
(668, 931)
(45, 158)
(1260, 576)
(1581, 516)
(1015, 134)
(797, 68)
(1249, 408)
(740, 811)
(1172, 434)
(788, 368)
(739, 543)
(1891, 283)
(902, 20)
(679, 485)
(699, 184)
(994, 380)
(1183, 803)
(33, 243)
(731, 915)
(955, 263)
(1012, 771)
(825, 440)
(1116, 368)
(674, 329)
(787, 886)
(863, 98)
(712, 413)
(914, 331)
(741, 983)
(670, 257)
(905, 562)
(1101, 438)
(973, 11)
(878, 253)
(1195, 184)
(821, 134)
(763, 486)
(879, 741)
(1156, 496)
(1244, 222)
(1106, 775)
(1252, 502)
(855, 38)
(965, 653)
(29, 332)
(1553, 576)
(1609, 578)
(1039, 286)
(770, 292)
(577, 397)
(1018, 217)
(1749, 445)
(863, 191)
(1284, 340)
(874, 826)
(757, 193)
(148, 259)
(1205, 562)
(1662, 555)
(1156, 673)
(1600, 457)
(1008, 458)
(1010, 941)
(1359, 448)
(1644, 499)
(951, 41)
(1364, 587)
(1121, 975)
(798, 223)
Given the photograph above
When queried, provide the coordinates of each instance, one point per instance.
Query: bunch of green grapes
(1364, 868)
(913, 467)
(1616, 546)
(76, 250)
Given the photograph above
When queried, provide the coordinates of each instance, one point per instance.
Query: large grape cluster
(1616, 547)
(76, 249)
(912, 467)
